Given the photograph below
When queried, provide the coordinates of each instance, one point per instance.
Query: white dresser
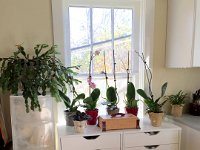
(166, 137)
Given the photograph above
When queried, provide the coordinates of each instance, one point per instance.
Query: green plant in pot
(112, 97)
(71, 106)
(90, 104)
(131, 102)
(177, 101)
(79, 120)
(154, 105)
(36, 75)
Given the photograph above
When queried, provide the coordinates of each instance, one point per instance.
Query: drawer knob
(91, 137)
(152, 147)
(152, 133)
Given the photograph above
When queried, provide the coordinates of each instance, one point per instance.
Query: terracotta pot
(112, 111)
(156, 119)
(133, 111)
(177, 110)
(69, 118)
(194, 109)
(79, 126)
(93, 114)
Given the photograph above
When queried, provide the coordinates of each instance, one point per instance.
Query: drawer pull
(91, 137)
(151, 147)
(152, 133)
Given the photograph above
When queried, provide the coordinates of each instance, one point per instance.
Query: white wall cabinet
(166, 137)
(183, 34)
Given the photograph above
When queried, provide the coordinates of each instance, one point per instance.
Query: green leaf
(163, 89)
(143, 94)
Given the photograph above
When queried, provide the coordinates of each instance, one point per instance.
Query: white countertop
(188, 120)
(145, 126)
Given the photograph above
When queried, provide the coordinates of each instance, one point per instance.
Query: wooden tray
(118, 121)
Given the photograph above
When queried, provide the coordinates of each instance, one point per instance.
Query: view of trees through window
(102, 29)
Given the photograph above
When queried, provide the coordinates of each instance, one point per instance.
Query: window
(104, 25)
(100, 29)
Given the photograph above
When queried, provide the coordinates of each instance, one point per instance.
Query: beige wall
(24, 21)
(187, 80)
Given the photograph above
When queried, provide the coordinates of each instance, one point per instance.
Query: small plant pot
(93, 114)
(194, 109)
(69, 118)
(79, 126)
(133, 111)
(112, 111)
(177, 110)
(156, 119)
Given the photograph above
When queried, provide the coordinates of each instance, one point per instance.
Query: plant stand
(33, 130)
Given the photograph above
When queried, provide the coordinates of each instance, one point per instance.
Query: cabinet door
(180, 29)
(196, 54)
(156, 147)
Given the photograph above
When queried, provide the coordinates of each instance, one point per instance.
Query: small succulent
(80, 116)
(177, 99)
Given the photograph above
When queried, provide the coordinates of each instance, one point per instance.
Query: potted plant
(35, 76)
(34, 80)
(131, 102)
(79, 120)
(154, 106)
(90, 104)
(111, 92)
(71, 106)
(177, 101)
(195, 105)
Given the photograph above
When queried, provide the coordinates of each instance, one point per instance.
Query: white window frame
(60, 25)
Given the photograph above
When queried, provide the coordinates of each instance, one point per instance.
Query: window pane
(79, 26)
(101, 24)
(81, 57)
(122, 22)
(99, 60)
(122, 47)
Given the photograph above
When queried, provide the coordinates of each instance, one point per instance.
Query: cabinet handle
(152, 147)
(152, 133)
(91, 137)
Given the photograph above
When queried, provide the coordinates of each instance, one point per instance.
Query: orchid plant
(91, 84)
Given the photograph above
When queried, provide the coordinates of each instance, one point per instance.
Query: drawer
(156, 147)
(104, 141)
(151, 138)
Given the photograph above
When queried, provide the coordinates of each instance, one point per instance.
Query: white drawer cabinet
(94, 142)
(156, 147)
(166, 137)
(151, 138)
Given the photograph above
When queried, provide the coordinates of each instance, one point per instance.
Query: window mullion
(91, 36)
(112, 32)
